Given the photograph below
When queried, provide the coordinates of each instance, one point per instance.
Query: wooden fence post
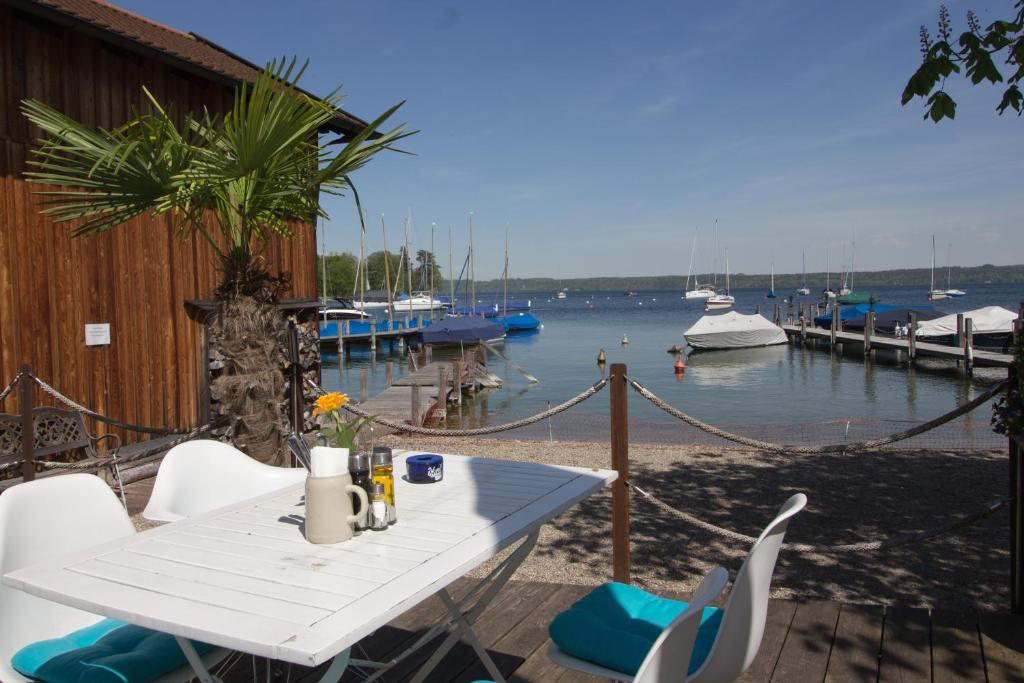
(969, 346)
(834, 326)
(869, 329)
(364, 384)
(414, 409)
(1016, 517)
(912, 336)
(28, 431)
(619, 410)
(389, 372)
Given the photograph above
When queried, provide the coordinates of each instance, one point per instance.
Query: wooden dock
(803, 641)
(956, 353)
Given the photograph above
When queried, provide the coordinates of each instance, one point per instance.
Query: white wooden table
(244, 578)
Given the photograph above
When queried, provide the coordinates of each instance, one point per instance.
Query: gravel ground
(852, 498)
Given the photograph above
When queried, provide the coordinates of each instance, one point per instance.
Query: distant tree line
(815, 281)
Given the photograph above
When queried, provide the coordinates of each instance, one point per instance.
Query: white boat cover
(990, 319)
(733, 330)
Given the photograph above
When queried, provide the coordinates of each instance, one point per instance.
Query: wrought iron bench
(60, 431)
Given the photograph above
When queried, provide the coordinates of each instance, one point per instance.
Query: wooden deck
(803, 641)
(981, 358)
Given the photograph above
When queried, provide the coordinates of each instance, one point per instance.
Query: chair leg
(115, 469)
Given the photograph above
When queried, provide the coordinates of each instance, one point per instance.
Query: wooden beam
(620, 463)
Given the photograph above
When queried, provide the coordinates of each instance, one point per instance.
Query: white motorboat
(733, 330)
(950, 291)
(986, 321)
(417, 302)
(341, 309)
(955, 292)
(701, 292)
(561, 294)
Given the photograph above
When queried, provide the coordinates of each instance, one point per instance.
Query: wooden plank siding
(135, 277)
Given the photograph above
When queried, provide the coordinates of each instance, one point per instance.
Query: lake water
(786, 392)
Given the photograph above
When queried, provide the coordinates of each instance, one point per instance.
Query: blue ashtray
(426, 468)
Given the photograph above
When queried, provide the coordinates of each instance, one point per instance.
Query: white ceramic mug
(329, 515)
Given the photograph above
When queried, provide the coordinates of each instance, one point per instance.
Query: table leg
(460, 621)
(337, 667)
(195, 661)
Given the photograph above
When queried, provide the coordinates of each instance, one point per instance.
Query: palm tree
(233, 180)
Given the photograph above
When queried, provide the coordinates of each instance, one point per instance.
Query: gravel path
(852, 498)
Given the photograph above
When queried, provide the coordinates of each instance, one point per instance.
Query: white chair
(43, 519)
(739, 633)
(203, 475)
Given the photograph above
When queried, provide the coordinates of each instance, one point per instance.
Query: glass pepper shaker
(359, 468)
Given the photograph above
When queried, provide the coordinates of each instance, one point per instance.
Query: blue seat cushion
(106, 652)
(615, 626)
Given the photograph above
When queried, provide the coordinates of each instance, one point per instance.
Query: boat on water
(519, 322)
(721, 299)
(561, 294)
(771, 291)
(992, 327)
(804, 289)
(341, 309)
(855, 298)
(461, 331)
(950, 290)
(733, 330)
(699, 291)
(417, 302)
(934, 294)
(887, 319)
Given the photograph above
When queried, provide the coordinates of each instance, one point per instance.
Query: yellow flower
(330, 402)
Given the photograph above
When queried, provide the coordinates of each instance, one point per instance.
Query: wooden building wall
(135, 277)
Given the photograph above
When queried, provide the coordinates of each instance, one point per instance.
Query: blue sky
(604, 133)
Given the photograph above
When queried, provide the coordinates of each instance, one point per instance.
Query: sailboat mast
(853, 255)
(931, 288)
(714, 260)
(828, 272)
(472, 269)
(451, 270)
(387, 266)
(803, 278)
(504, 310)
(429, 263)
(689, 271)
(408, 266)
(727, 271)
(949, 256)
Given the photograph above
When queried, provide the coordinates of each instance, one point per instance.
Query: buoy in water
(625, 340)
(601, 358)
(680, 365)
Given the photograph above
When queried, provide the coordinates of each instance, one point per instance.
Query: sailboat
(771, 292)
(699, 291)
(804, 289)
(722, 299)
(949, 290)
(934, 294)
(847, 297)
(518, 321)
(828, 293)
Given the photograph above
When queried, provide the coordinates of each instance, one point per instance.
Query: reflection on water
(732, 367)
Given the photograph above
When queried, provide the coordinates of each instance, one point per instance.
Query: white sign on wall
(97, 334)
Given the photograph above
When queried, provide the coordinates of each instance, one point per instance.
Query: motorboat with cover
(886, 320)
(461, 330)
(860, 310)
(991, 326)
(518, 322)
(733, 330)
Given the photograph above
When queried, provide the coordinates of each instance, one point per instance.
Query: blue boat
(860, 310)
(461, 330)
(520, 322)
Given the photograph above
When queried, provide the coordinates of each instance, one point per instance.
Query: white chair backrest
(40, 520)
(739, 636)
(203, 475)
(669, 658)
